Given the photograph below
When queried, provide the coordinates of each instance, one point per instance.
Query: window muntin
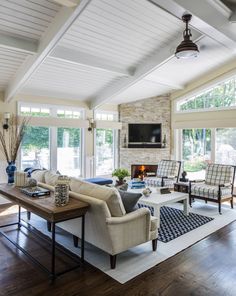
(223, 96)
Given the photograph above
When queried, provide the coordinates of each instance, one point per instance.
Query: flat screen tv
(144, 135)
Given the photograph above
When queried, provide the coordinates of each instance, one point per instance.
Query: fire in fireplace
(143, 170)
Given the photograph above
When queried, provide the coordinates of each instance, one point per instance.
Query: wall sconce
(91, 124)
(6, 117)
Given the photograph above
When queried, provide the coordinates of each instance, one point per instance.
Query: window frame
(53, 132)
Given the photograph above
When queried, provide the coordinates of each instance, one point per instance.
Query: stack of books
(136, 184)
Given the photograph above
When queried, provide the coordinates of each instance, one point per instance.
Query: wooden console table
(45, 208)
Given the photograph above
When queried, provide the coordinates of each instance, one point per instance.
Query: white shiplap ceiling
(27, 18)
(108, 50)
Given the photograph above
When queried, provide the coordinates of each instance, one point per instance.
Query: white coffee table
(157, 200)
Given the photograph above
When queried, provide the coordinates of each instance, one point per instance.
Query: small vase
(10, 169)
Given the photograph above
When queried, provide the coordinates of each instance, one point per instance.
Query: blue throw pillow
(130, 200)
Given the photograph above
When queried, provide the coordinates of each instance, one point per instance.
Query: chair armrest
(140, 213)
(197, 181)
(226, 185)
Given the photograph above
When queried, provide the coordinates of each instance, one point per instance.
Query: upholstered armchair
(217, 186)
(167, 174)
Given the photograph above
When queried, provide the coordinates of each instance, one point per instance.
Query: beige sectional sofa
(107, 225)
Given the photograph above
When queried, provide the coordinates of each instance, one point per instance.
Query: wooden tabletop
(44, 206)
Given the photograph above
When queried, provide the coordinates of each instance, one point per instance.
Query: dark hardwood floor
(206, 268)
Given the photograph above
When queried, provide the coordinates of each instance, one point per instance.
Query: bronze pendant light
(187, 49)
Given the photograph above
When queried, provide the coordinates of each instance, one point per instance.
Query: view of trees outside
(196, 151)
(68, 151)
(35, 148)
(226, 146)
(104, 151)
(222, 95)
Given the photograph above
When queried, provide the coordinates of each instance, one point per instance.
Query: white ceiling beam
(62, 22)
(146, 67)
(19, 44)
(84, 59)
(209, 18)
(164, 82)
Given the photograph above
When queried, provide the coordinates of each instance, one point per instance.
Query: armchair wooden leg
(76, 241)
(232, 202)
(28, 215)
(113, 261)
(49, 226)
(154, 244)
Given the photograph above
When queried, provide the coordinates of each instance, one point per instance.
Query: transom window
(106, 115)
(26, 109)
(221, 96)
(34, 111)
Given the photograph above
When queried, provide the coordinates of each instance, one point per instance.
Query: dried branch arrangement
(11, 138)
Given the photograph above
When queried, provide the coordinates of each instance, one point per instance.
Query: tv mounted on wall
(144, 135)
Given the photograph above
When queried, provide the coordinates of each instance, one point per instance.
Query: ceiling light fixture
(187, 48)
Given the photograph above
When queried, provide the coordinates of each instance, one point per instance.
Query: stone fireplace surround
(151, 110)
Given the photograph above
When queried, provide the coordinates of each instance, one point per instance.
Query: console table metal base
(54, 245)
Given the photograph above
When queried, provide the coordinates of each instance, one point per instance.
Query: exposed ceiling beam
(232, 18)
(62, 22)
(164, 82)
(146, 67)
(209, 18)
(84, 59)
(19, 44)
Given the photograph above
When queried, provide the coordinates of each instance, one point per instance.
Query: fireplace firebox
(143, 170)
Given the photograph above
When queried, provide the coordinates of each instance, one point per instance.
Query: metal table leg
(53, 252)
(19, 217)
(82, 239)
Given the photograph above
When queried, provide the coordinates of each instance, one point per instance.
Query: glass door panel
(225, 146)
(35, 148)
(196, 150)
(69, 151)
(104, 152)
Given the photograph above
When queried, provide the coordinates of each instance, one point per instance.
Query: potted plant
(120, 174)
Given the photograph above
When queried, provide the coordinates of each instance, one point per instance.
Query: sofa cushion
(210, 191)
(39, 175)
(51, 178)
(130, 200)
(110, 195)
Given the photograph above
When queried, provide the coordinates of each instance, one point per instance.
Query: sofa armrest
(140, 213)
(130, 230)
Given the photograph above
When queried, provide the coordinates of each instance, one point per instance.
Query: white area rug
(141, 258)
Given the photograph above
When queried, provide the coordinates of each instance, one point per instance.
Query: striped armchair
(217, 187)
(167, 174)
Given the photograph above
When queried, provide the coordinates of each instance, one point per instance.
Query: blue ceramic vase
(10, 169)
